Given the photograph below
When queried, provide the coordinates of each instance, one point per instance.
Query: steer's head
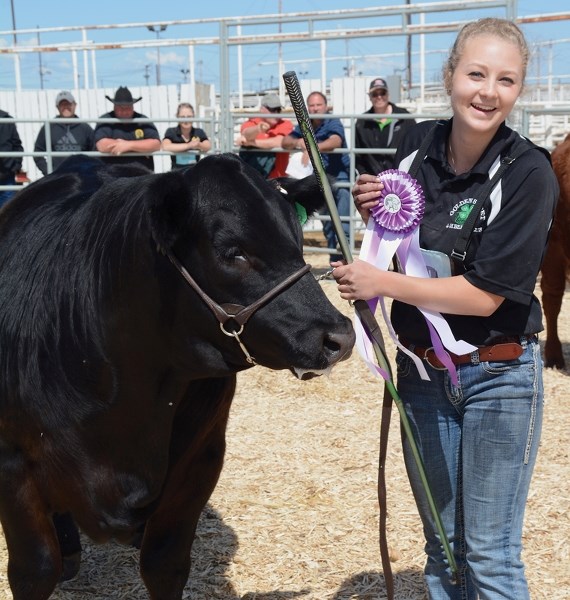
(239, 236)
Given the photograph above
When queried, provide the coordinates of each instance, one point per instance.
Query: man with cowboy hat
(125, 136)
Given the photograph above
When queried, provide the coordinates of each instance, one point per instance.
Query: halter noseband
(235, 312)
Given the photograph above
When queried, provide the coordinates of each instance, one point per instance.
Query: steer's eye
(235, 255)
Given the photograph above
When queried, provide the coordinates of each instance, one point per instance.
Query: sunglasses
(379, 94)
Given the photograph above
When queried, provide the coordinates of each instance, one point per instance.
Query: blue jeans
(479, 443)
(342, 201)
(6, 195)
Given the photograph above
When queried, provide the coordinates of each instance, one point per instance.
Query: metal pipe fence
(213, 124)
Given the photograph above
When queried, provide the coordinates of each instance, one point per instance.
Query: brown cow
(557, 257)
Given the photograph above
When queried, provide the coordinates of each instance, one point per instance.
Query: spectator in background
(65, 137)
(10, 166)
(384, 132)
(266, 133)
(125, 137)
(329, 134)
(185, 140)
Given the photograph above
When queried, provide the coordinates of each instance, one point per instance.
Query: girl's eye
(476, 74)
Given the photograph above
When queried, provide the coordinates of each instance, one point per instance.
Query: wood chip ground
(295, 512)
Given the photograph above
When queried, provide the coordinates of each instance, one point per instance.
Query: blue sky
(133, 67)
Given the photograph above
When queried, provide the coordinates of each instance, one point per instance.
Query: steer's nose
(338, 344)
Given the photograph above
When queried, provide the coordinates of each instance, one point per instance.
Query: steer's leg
(34, 558)
(553, 284)
(69, 543)
(198, 448)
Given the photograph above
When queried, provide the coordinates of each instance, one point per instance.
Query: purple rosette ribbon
(402, 202)
(392, 231)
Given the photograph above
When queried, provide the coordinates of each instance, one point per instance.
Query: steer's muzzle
(337, 346)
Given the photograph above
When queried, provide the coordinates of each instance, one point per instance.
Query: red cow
(128, 303)
(557, 257)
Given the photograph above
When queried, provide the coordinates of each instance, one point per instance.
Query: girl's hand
(358, 280)
(365, 193)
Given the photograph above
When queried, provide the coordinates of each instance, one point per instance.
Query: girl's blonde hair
(501, 28)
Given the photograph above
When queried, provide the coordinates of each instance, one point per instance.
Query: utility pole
(146, 73)
(40, 61)
(16, 55)
(14, 22)
(281, 69)
(409, 53)
(157, 30)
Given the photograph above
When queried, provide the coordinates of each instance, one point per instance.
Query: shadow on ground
(111, 571)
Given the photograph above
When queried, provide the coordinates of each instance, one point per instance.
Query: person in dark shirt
(65, 137)
(10, 166)
(185, 141)
(125, 136)
(384, 132)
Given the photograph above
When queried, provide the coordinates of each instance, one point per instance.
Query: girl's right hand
(366, 193)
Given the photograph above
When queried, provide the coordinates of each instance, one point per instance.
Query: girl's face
(486, 83)
(185, 113)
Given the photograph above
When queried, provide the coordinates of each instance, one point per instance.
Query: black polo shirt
(508, 242)
(184, 159)
(127, 130)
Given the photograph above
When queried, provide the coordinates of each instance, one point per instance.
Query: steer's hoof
(555, 363)
(71, 566)
(136, 540)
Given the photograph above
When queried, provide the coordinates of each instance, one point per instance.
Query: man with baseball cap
(125, 136)
(329, 135)
(385, 131)
(65, 136)
(266, 133)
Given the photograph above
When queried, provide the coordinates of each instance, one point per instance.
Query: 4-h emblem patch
(460, 213)
(463, 213)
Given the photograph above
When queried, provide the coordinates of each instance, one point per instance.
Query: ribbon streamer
(393, 230)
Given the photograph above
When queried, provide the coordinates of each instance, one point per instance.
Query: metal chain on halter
(326, 275)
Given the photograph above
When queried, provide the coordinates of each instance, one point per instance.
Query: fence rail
(545, 126)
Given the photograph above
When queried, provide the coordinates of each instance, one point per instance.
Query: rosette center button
(392, 203)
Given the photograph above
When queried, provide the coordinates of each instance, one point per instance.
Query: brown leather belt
(508, 348)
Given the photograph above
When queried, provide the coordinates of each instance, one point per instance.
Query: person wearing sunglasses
(384, 132)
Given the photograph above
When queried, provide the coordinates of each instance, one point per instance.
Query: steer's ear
(305, 191)
(168, 204)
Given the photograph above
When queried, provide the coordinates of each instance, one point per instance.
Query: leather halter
(225, 313)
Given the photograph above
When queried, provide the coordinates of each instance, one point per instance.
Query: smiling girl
(478, 436)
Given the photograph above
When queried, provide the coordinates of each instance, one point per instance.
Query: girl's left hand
(365, 193)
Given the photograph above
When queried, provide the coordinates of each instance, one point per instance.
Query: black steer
(122, 326)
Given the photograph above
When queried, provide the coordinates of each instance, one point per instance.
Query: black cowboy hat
(123, 96)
